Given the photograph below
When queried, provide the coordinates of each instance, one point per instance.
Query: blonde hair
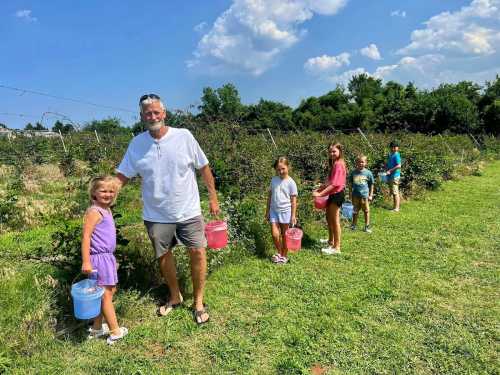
(361, 157)
(339, 147)
(281, 159)
(97, 182)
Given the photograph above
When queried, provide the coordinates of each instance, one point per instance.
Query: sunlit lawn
(419, 295)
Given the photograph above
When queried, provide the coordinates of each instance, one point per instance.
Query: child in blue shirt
(394, 174)
(361, 184)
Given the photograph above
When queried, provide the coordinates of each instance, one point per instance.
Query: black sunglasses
(148, 96)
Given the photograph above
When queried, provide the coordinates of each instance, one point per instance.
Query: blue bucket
(383, 177)
(86, 299)
(347, 209)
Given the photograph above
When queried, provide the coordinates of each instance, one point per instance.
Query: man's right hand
(214, 207)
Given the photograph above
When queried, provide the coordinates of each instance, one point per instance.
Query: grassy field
(419, 295)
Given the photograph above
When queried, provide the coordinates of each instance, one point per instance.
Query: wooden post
(272, 139)
(62, 140)
(475, 140)
(366, 139)
(446, 143)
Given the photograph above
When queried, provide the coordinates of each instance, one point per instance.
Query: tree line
(366, 103)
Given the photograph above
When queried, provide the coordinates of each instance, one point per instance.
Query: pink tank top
(337, 177)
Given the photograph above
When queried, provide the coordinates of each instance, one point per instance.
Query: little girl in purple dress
(98, 247)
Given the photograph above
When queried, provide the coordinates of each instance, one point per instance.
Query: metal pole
(62, 140)
(366, 139)
(272, 139)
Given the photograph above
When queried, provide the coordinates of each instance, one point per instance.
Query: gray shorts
(163, 236)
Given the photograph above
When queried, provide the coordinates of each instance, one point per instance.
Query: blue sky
(109, 53)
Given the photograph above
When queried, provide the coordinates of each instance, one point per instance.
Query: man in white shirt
(166, 158)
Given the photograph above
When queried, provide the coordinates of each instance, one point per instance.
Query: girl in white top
(281, 207)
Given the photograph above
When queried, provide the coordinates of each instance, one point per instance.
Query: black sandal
(198, 313)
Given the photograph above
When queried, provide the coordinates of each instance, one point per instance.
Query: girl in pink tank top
(98, 247)
(334, 189)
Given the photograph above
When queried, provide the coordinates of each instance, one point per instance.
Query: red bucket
(216, 233)
(293, 239)
(321, 202)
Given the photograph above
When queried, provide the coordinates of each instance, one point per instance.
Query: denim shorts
(163, 236)
(282, 217)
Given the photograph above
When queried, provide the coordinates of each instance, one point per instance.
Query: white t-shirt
(281, 192)
(167, 167)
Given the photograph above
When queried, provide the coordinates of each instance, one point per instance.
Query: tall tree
(489, 107)
(109, 125)
(269, 114)
(64, 129)
(231, 108)
(364, 88)
(210, 108)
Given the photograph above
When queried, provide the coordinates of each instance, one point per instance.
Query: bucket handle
(93, 272)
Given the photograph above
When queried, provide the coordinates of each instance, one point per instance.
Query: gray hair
(149, 101)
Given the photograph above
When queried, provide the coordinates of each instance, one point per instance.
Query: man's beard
(153, 126)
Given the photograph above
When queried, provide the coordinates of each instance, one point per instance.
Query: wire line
(23, 91)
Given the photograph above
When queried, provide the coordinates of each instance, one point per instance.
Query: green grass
(419, 295)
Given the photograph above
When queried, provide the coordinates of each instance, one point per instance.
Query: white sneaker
(112, 339)
(323, 240)
(98, 333)
(282, 260)
(330, 250)
(275, 258)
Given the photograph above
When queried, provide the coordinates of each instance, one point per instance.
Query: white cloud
(454, 46)
(200, 27)
(371, 52)
(398, 13)
(321, 64)
(345, 77)
(252, 34)
(426, 71)
(472, 30)
(25, 14)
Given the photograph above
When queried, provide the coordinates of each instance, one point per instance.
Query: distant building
(40, 133)
(45, 133)
(4, 132)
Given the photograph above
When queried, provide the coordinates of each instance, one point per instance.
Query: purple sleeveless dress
(102, 247)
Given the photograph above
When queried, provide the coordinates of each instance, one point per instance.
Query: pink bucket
(216, 233)
(293, 239)
(321, 202)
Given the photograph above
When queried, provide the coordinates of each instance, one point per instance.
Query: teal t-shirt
(393, 160)
(361, 182)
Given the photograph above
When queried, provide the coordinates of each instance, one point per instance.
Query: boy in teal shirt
(394, 174)
(361, 184)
